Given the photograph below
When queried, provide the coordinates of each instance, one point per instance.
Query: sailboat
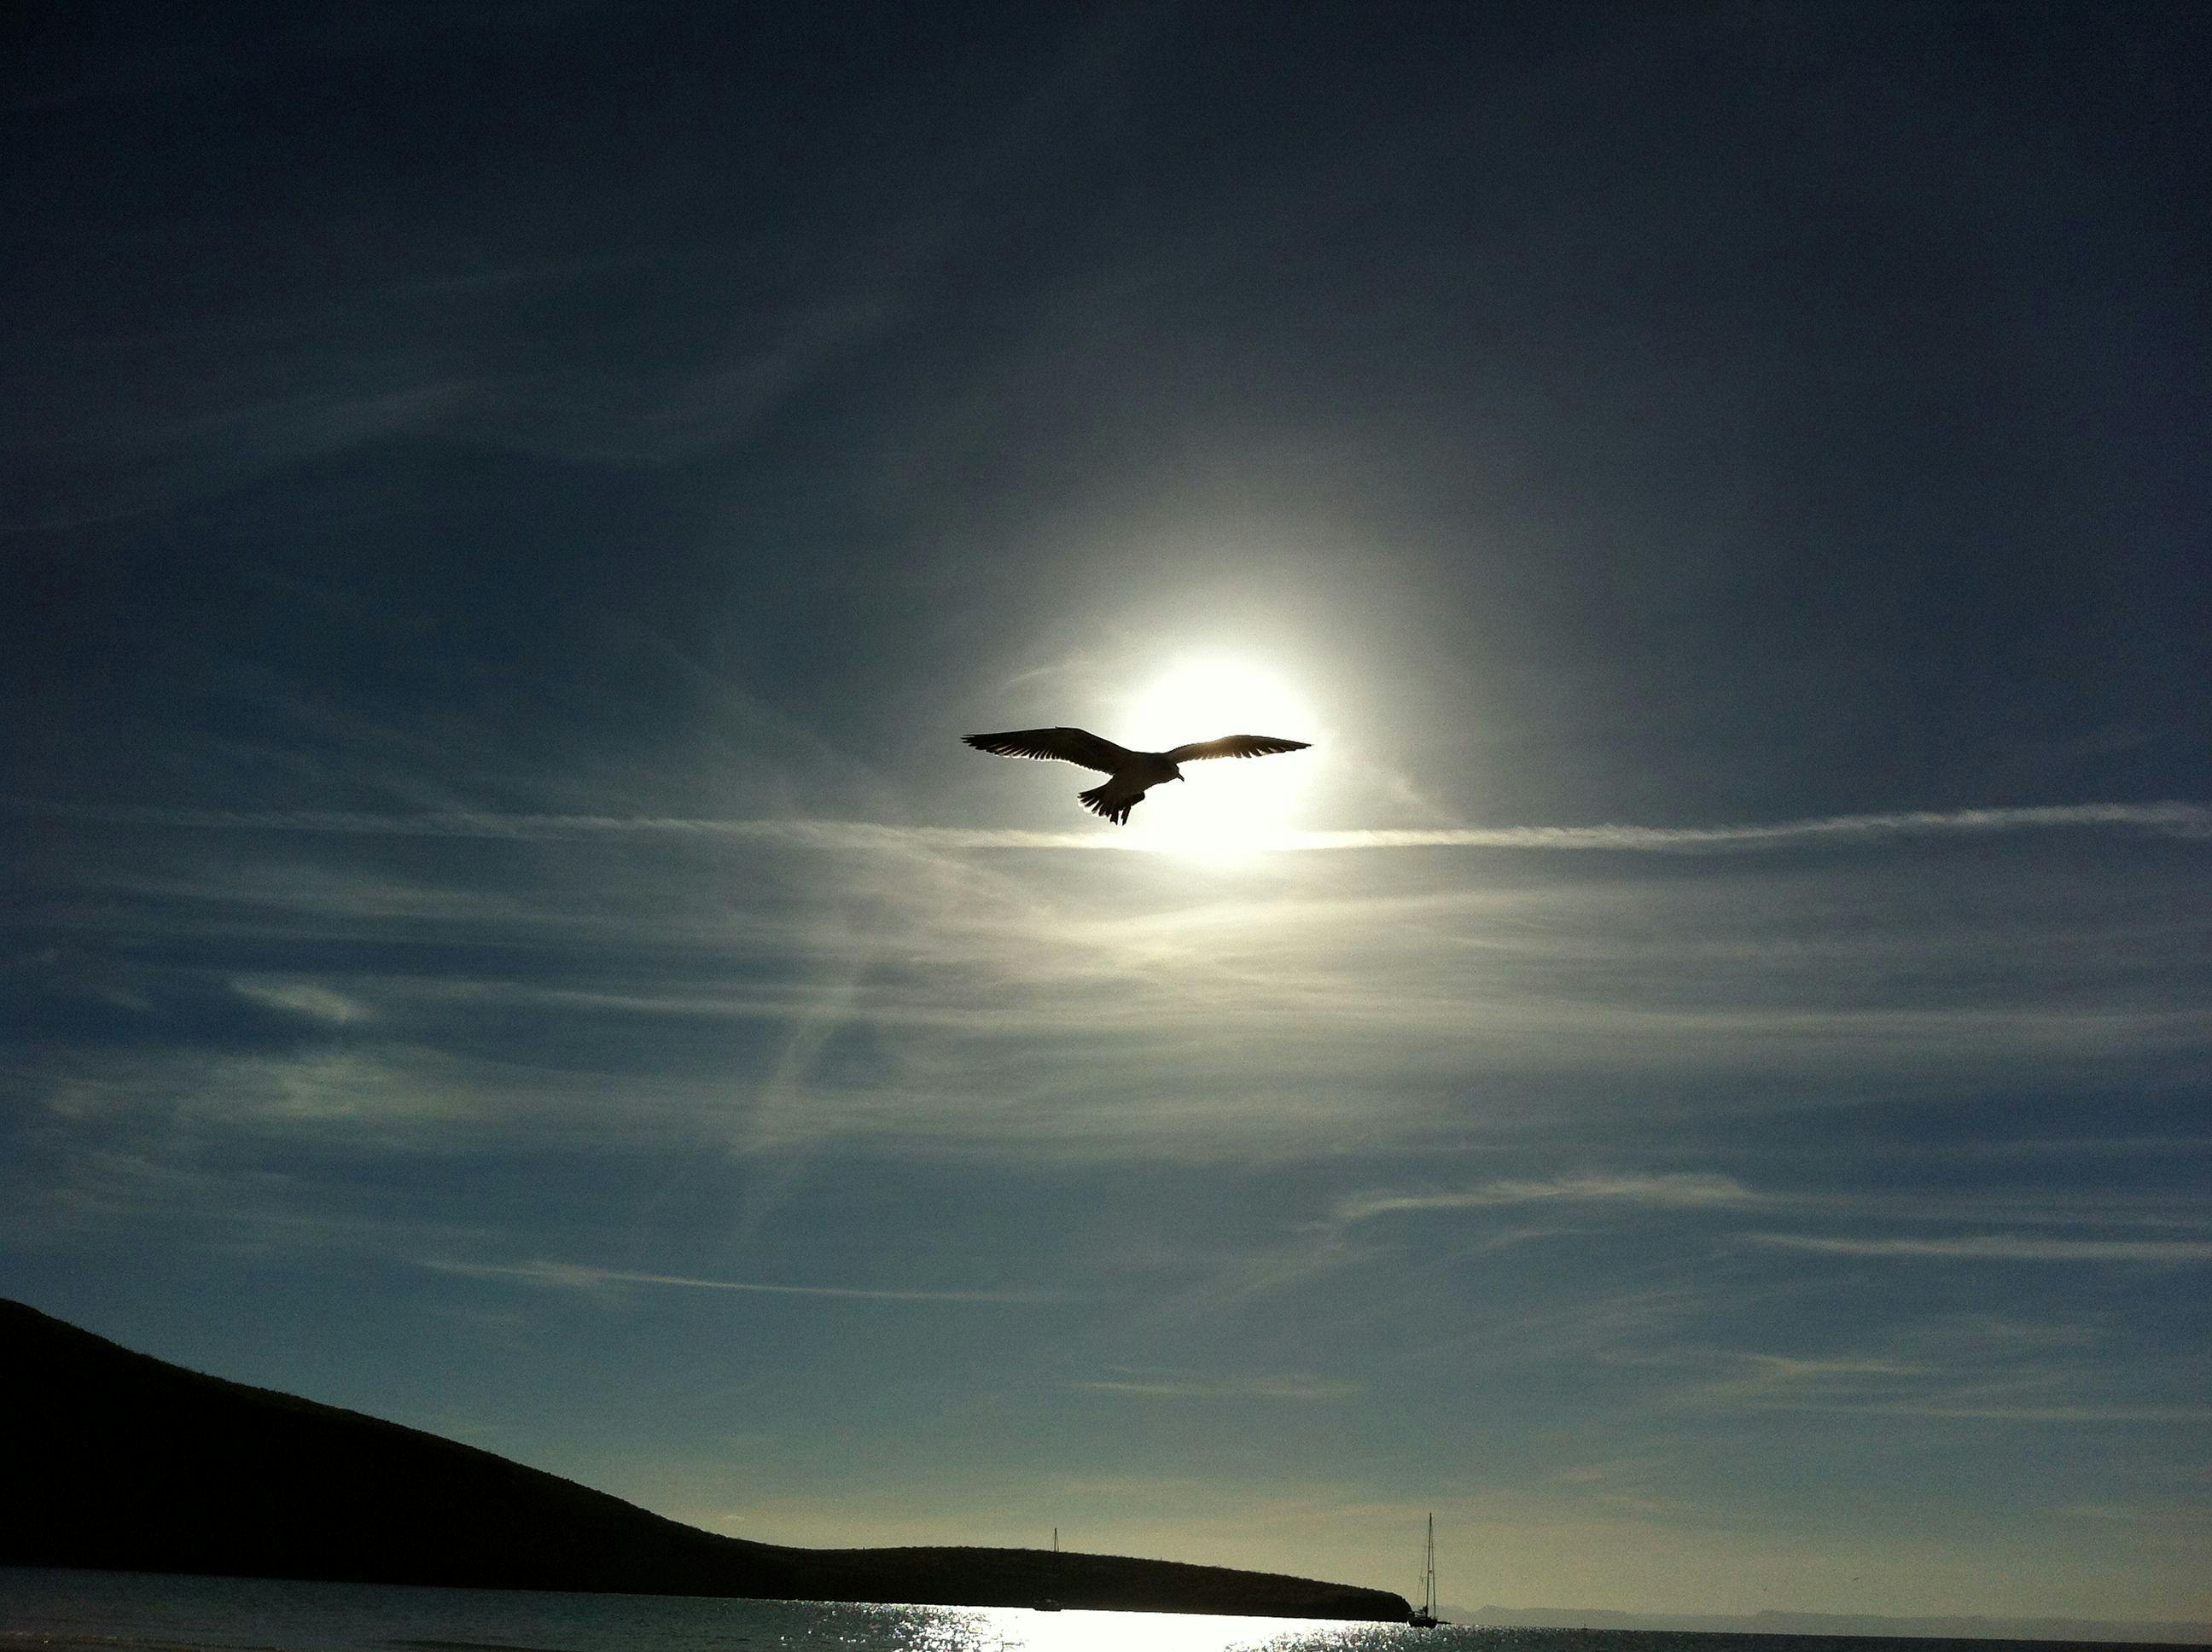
(1048, 1604)
(1425, 1615)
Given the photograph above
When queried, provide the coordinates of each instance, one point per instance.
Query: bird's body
(1129, 774)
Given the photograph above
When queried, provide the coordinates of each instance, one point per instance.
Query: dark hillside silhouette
(122, 1461)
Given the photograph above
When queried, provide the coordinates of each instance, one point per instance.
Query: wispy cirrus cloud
(1995, 1247)
(1964, 1389)
(911, 984)
(2089, 1412)
(572, 1276)
(2174, 819)
(1292, 1388)
(1689, 1190)
(303, 997)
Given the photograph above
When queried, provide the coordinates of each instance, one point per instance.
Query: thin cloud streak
(1233, 1387)
(2003, 1413)
(2171, 819)
(576, 1277)
(1885, 1387)
(2000, 1246)
(1689, 1191)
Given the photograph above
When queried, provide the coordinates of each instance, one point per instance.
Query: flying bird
(1129, 774)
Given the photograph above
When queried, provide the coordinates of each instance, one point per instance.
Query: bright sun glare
(1230, 807)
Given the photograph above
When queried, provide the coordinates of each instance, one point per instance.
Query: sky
(1697, 1076)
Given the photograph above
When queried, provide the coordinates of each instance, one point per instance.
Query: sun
(1231, 807)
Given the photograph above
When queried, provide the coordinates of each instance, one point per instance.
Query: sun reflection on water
(124, 1612)
(1008, 1629)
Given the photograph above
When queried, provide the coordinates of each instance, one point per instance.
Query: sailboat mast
(1429, 1569)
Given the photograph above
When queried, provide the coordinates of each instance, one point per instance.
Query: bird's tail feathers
(1114, 806)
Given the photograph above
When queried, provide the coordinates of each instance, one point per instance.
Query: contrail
(2165, 819)
(2184, 820)
(578, 1276)
(1998, 1246)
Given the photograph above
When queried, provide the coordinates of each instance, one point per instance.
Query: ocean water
(54, 1611)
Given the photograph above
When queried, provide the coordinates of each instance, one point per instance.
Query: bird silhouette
(1129, 774)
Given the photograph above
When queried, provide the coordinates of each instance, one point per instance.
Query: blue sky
(1698, 1076)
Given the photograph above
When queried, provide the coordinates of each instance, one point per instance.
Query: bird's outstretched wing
(1236, 745)
(1070, 745)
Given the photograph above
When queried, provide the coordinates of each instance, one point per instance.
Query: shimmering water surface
(121, 1612)
(137, 1612)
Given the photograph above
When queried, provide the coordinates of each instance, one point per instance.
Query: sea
(45, 1610)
